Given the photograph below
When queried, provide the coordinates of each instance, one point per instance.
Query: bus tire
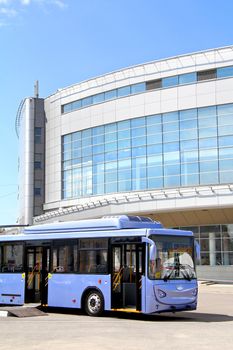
(94, 303)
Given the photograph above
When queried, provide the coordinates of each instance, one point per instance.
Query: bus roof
(105, 223)
(114, 226)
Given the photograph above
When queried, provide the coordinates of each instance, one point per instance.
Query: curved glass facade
(182, 148)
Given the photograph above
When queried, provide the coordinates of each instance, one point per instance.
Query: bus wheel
(94, 303)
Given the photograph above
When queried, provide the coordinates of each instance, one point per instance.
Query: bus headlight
(194, 292)
(161, 293)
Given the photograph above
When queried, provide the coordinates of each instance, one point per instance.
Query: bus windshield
(174, 259)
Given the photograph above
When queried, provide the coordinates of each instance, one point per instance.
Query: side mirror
(152, 247)
(197, 251)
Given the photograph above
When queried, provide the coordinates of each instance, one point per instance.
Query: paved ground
(210, 327)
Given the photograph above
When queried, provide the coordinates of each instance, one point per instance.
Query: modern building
(154, 139)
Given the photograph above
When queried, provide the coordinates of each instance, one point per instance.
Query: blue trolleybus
(126, 263)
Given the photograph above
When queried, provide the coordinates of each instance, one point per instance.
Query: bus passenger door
(117, 272)
(128, 266)
(37, 267)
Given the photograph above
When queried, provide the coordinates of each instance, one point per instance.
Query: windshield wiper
(175, 268)
(188, 274)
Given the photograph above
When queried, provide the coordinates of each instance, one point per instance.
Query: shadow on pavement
(165, 317)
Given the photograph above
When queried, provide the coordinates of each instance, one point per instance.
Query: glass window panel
(123, 125)
(171, 136)
(98, 98)
(111, 166)
(139, 172)
(124, 175)
(99, 130)
(76, 153)
(124, 134)
(123, 91)
(225, 153)
(207, 122)
(226, 164)
(187, 145)
(208, 166)
(139, 162)
(225, 119)
(156, 182)
(188, 134)
(124, 144)
(226, 176)
(12, 259)
(154, 139)
(110, 156)
(67, 138)
(224, 72)
(124, 186)
(189, 156)
(225, 109)
(189, 179)
(139, 184)
(225, 130)
(172, 181)
(98, 158)
(76, 136)
(109, 137)
(98, 149)
(110, 146)
(136, 88)
(207, 143)
(153, 119)
(111, 187)
(188, 124)
(96, 140)
(111, 128)
(139, 141)
(66, 155)
(109, 95)
(138, 132)
(208, 178)
(154, 149)
(111, 177)
(124, 164)
(154, 129)
(170, 126)
(207, 132)
(86, 142)
(67, 165)
(171, 157)
(188, 114)
(187, 78)
(154, 160)
(124, 153)
(189, 168)
(225, 141)
(139, 151)
(86, 151)
(170, 117)
(171, 170)
(76, 144)
(208, 154)
(207, 112)
(172, 146)
(66, 108)
(170, 81)
(138, 122)
(77, 162)
(86, 133)
(77, 105)
(87, 101)
(155, 171)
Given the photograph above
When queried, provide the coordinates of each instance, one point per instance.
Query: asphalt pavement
(209, 327)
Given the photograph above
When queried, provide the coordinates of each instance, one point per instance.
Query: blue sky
(62, 42)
